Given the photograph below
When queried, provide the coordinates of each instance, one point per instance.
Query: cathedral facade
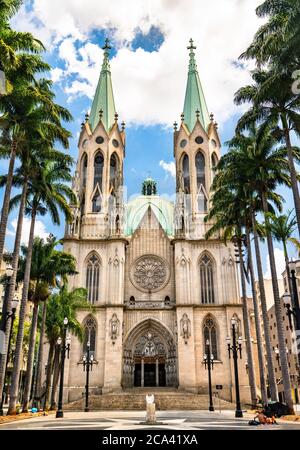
(159, 291)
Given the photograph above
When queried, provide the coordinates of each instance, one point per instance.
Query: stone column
(142, 372)
(157, 373)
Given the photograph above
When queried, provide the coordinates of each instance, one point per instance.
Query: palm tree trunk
(39, 367)
(6, 200)
(247, 332)
(48, 376)
(261, 365)
(14, 387)
(57, 362)
(293, 172)
(278, 313)
(30, 357)
(11, 292)
(264, 309)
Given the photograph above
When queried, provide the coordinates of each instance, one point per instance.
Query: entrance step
(135, 399)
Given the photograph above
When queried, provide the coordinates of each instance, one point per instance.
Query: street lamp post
(65, 347)
(209, 364)
(12, 314)
(294, 309)
(235, 348)
(87, 361)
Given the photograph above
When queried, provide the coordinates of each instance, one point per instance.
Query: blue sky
(149, 63)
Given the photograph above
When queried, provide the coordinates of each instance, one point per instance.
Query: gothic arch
(98, 164)
(185, 168)
(211, 331)
(90, 328)
(83, 168)
(149, 345)
(207, 277)
(201, 180)
(92, 276)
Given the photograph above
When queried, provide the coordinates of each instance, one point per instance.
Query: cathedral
(160, 292)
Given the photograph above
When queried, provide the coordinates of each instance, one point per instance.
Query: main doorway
(149, 357)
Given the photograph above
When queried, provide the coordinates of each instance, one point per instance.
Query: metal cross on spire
(106, 45)
(191, 46)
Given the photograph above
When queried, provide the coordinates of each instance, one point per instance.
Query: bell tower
(196, 151)
(98, 179)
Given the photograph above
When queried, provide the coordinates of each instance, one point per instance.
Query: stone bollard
(150, 417)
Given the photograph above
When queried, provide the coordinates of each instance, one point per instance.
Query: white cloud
(40, 229)
(169, 168)
(280, 263)
(149, 87)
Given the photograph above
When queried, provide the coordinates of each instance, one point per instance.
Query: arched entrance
(150, 357)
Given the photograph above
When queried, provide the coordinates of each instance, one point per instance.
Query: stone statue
(114, 328)
(149, 399)
(185, 327)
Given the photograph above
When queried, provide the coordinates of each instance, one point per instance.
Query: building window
(97, 202)
(113, 172)
(92, 279)
(84, 170)
(210, 334)
(201, 194)
(186, 174)
(98, 170)
(207, 280)
(90, 328)
(214, 162)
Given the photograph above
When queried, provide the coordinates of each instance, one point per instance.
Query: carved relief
(185, 328)
(149, 273)
(114, 328)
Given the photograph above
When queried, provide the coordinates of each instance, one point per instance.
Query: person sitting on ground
(260, 417)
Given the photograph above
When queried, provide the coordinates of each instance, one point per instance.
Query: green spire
(194, 96)
(103, 104)
(149, 187)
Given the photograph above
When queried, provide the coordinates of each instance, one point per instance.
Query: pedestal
(151, 417)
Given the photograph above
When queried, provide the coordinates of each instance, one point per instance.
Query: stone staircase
(135, 399)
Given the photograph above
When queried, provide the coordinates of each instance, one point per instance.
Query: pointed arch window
(214, 162)
(98, 170)
(92, 279)
(84, 170)
(113, 172)
(207, 280)
(201, 182)
(186, 174)
(97, 201)
(90, 331)
(210, 334)
(200, 169)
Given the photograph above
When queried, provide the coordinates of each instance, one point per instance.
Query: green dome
(137, 208)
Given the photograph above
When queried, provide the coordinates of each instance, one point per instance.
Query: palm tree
(28, 114)
(33, 154)
(47, 192)
(266, 167)
(282, 228)
(47, 266)
(226, 214)
(276, 107)
(61, 305)
(278, 37)
(13, 43)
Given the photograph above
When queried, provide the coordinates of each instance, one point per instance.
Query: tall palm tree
(277, 108)
(267, 167)
(33, 154)
(61, 305)
(278, 37)
(47, 192)
(47, 266)
(226, 214)
(282, 228)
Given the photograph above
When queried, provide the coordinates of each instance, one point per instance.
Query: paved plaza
(130, 420)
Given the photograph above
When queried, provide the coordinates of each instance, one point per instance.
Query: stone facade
(159, 289)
